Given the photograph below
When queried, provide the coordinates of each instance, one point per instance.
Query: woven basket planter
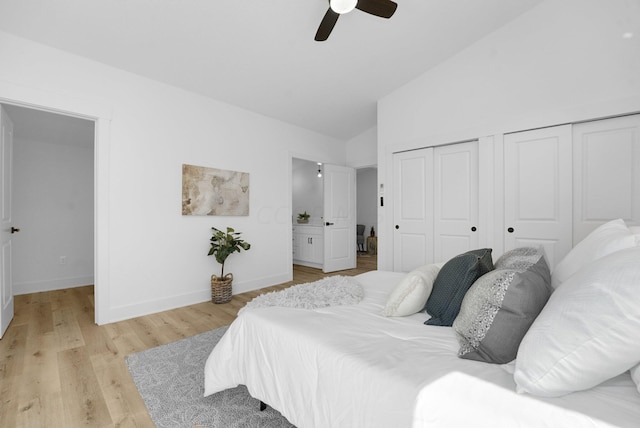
(221, 288)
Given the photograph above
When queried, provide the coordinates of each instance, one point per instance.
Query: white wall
(53, 206)
(150, 257)
(366, 185)
(563, 61)
(362, 150)
(307, 190)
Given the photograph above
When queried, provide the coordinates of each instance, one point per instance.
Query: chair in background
(360, 237)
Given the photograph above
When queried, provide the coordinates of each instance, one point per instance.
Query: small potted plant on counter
(303, 218)
(222, 246)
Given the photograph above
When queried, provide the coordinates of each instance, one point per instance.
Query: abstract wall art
(212, 191)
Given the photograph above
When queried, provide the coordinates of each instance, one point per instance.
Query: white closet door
(538, 191)
(412, 209)
(455, 200)
(606, 173)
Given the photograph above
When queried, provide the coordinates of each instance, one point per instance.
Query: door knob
(397, 226)
(473, 229)
(15, 229)
(510, 230)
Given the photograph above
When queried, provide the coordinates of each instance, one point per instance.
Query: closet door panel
(606, 173)
(538, 190)
(412, 209)
(455, 200)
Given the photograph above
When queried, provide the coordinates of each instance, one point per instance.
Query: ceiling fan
(381, 8)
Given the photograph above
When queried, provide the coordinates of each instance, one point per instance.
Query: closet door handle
(328, 224)
(510, 230)
(397, 227)
(15, 229)
(473, 229)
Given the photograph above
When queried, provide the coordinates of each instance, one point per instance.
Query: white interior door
(339, 218)
(6, 161)
(606, 170)
(412, 209)
(538, 190)
(455, 200)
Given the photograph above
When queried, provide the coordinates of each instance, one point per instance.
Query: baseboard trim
(51, 285)
(124, 312)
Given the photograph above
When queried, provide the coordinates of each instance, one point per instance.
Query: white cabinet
(308, 246)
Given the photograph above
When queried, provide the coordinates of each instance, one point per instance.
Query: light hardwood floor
(59, 369)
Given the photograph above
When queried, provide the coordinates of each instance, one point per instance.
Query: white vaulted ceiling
(260, 55)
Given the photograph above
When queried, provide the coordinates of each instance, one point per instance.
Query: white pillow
(588, 330)
(411, 294)
(635, 375)
(606, 239)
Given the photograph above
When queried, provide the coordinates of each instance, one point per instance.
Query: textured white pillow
(606, 239)
(587, 332)
(411, 294)
(635, 375)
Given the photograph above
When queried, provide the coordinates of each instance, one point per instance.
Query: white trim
(51, 285)
(124, 312)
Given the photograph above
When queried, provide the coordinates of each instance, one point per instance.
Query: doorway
(323, 204)
(53, 200)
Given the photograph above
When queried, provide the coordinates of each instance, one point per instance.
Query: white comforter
(348, 366)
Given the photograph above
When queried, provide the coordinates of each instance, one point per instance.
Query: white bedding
(349, 366)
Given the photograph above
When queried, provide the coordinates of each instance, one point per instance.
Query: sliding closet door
(412, 209)
(606, 173)
(538, 190)
(455, 200)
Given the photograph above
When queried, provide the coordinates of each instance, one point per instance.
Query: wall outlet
(63, 260)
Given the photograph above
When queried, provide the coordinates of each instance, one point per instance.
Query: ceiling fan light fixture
(343, 6)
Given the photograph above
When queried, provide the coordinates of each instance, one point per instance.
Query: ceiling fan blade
(326, 26)
(381, 8)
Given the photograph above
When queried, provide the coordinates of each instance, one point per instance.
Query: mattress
(350, 366)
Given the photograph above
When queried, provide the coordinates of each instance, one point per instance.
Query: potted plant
(303, 217)
(223, 244)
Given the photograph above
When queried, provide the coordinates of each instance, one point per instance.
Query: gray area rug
(170, 379)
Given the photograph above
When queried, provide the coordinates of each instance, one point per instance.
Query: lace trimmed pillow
(501, 305)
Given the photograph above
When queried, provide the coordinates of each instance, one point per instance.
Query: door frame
(37, 99)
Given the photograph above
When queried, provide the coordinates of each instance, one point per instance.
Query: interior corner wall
(156, 259)
(53, 199)
(366, 185)
(361, 150)
(561, 62)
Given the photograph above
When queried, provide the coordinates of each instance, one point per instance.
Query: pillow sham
(606, 239)
(501, 305)
(452, 283)
(412, 292)
(586, 332)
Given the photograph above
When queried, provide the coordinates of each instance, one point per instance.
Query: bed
(351, 366)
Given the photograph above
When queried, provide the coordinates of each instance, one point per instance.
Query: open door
(339, 218)
(6, 229)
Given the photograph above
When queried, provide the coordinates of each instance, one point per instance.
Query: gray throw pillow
(452, 283)
(500, 306)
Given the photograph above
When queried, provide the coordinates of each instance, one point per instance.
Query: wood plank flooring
(59, 369)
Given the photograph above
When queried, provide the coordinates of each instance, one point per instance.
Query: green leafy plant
(304, 216)
(224, 244)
